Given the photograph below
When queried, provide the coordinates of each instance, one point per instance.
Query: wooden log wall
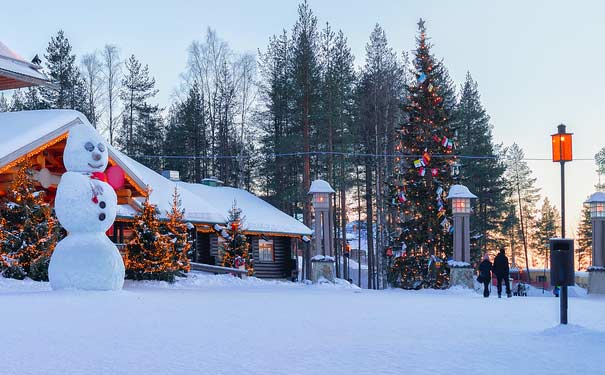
(282, 265)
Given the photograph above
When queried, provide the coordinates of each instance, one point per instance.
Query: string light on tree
(29, 231)
(418, 186)
(235, 249)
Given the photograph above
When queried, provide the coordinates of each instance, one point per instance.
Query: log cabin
(16, 72)
(39, 137)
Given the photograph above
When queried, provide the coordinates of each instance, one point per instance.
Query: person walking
(485, 274)
(502, 270)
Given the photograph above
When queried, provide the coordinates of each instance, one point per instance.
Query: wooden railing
(218, 269)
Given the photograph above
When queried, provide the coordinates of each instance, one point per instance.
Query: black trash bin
(562, 262)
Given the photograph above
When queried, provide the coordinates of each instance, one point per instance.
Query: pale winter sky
(538, 63)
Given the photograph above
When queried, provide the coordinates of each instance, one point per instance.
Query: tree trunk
(369, 224)
(523, 234)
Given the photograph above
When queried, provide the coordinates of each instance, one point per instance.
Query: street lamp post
(561, 153)
(596, 276)
(461, 211)
(320, 191)
(597, 216)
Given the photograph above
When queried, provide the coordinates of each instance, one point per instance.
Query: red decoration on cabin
(115, 177)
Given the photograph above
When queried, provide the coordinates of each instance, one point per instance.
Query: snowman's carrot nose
(96, 157)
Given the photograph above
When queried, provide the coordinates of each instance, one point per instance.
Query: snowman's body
(86, 207)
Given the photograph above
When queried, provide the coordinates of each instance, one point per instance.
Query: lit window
(597, 209)
(265, 250)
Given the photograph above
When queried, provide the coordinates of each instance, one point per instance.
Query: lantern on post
(322, 263)
(461, 197)
(561, 153)
(320, 194)
(597, 216)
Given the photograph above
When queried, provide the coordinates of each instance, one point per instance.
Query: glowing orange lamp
(561, 145)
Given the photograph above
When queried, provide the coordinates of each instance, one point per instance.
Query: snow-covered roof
(197, 209)
(260, 216)
(320, 186)
(596, 197)
(23, 132)
(16, 72)
(460, 191)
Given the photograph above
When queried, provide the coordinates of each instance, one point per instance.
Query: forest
(304, 108)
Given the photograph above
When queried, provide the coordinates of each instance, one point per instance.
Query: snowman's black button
(102, 204)
(101, 216)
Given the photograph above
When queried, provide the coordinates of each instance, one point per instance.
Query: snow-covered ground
(223, 325)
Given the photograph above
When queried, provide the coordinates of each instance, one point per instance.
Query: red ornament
(115, 177)
(389, 252)
(234, 226)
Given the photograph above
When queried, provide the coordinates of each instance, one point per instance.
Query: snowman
(86, 207)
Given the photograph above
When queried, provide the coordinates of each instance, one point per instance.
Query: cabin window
(265, 250)
(541, 278)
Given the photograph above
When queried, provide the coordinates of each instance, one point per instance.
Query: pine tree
(149, 254)
(33, 100)
(4, 104)
(63, 72)
(600, 161)
(425, 171)
(306, 85)
(524, 195)
(186, 135)
(149, 136)
(176, 230)
(29, 229)
(235, 250)
(584, 239)
(336, 103)
(18, 101)
(279, 176)
(547, 227)
(483, 176)
(378, 102)
(137, 87)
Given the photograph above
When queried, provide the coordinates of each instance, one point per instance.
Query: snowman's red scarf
(97, 176)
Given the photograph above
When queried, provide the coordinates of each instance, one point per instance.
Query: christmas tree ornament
(426, 158)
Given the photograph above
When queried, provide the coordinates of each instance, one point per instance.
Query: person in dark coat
(485, 274)
(502, 272)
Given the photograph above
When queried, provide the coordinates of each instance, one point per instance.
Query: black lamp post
(561, 153)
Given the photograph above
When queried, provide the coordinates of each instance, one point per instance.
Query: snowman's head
(85, 150)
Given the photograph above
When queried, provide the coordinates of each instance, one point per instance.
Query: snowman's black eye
(89, 146)
(101, 147)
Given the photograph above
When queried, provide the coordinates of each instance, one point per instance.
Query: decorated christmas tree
(424, 171)
(176, 230)
(235, 250)
(149, 254)
(29, 230)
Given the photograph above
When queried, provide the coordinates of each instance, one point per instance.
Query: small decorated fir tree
(176, 230)
(149, 255)
(29, 229)
(235, 250)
